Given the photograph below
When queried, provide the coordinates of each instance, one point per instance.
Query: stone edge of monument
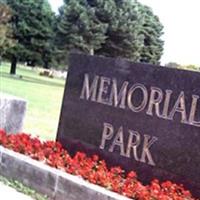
(46, 180)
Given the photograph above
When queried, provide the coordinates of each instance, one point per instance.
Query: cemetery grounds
(43, 96)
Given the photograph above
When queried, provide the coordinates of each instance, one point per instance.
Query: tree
(172, 65)
(32, 25)
(123, 38)
(44, 45)
(129, 29)
(79, 28)
(5, 29)
(151, 31)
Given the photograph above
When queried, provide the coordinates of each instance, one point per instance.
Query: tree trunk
(13, 65)
(46, 65)
(92, 52)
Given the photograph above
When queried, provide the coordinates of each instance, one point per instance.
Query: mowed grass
(43, 95)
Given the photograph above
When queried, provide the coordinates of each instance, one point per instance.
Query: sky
(181, 21)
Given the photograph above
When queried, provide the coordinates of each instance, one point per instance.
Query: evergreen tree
(151, 31)
(123, 38)
(79, 28)
(125, 29)
(32, 25)
(42, 44)
(5, 29)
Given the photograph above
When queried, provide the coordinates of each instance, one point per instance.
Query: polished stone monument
(138, 116)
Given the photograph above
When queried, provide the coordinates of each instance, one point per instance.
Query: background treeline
(186, 67)
(30, 32)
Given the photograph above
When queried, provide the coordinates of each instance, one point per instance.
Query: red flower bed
(93, 169)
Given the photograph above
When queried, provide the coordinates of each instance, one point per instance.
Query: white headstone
(12, 113)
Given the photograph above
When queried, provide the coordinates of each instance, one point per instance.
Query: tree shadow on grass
(30, 79)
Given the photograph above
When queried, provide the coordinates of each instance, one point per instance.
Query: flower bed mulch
(93, 169)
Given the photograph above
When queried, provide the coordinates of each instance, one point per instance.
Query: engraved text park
(108, 91)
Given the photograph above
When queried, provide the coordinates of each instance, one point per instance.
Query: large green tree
(32, 24)
(44, 44)
(5, 29)
(79, 28)
(122, 36)
(152, 31)
(128, 29)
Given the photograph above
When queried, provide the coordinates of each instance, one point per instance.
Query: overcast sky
(181, 20)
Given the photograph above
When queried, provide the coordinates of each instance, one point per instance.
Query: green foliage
(5, 28)
(186, 67)
(190, 67)
(32, 23)
(79, 28)
(123, 39)
(42, 44)
(113, 28)
(152, 32)
(22, 188)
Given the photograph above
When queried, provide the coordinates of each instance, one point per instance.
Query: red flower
(93, 169)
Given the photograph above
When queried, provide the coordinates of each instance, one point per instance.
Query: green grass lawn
(43, 95)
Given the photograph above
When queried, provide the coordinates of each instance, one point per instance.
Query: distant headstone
(141, 117)
(12, 113)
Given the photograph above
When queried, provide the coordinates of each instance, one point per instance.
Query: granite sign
(138, 116)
